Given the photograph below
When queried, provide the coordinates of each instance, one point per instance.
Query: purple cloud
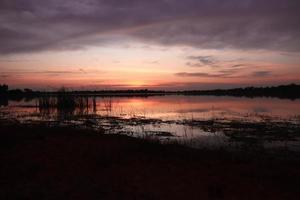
(35, 25)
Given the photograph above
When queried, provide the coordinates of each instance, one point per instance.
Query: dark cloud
(53, 72)
(230, 71)
(205, 60)
(49, 73)
(261, 73)
(201, 61)
(238, 66)
(190, 64)
(4, 76)
(152, 62)
(199, 74)
(225, 73)
(34, 25)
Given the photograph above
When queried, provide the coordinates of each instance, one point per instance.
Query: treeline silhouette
(291, 91)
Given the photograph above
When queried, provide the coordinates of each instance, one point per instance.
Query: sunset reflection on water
(178, 107)
(192, 120)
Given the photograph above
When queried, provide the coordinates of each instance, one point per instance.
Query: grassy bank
(39, 162)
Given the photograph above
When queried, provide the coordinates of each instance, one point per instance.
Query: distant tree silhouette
(28, 91)
(3, 89)
(291, 91)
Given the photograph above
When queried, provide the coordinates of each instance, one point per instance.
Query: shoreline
(40, 162)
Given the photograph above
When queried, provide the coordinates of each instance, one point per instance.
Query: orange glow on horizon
(154, 67)
(136, 84)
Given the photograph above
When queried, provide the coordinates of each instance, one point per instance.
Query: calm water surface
(170, 117)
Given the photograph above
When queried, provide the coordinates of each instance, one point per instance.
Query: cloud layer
(34, 25)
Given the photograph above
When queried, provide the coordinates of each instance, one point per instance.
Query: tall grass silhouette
(64, 103)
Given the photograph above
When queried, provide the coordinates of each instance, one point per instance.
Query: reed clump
(63, 101)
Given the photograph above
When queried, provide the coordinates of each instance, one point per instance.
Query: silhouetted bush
(3, 89)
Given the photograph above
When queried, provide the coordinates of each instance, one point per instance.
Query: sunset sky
(154, 44)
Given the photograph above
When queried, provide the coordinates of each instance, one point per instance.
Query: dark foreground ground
(63, 163)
